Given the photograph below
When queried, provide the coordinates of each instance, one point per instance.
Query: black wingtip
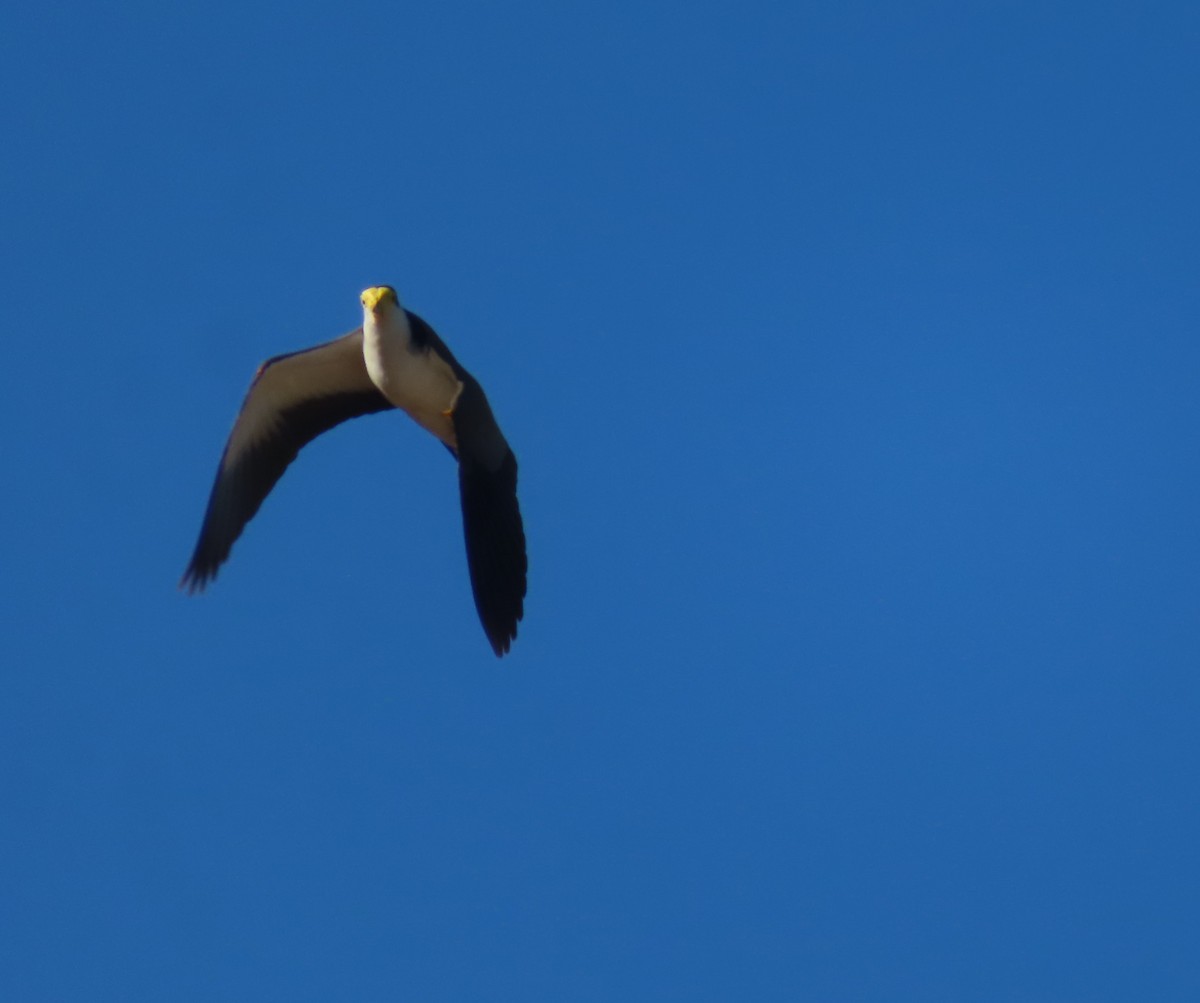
(198, 575)
(210, 553)
(502, 642)
(495, 538)
(193, 582)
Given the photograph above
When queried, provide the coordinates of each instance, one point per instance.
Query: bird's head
(376, 299)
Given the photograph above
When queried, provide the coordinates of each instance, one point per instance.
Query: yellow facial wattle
(371, 298)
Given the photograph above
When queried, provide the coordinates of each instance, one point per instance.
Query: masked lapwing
(395, 360)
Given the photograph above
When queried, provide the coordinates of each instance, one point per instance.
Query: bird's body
(421, 383)
(394, 360)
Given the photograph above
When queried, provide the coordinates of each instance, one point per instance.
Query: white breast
(416, 381)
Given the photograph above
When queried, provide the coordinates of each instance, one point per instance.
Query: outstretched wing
(292, 399)
(495, 534)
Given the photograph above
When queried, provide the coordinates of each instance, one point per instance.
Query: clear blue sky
(851, 354)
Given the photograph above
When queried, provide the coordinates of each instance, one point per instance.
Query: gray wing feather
(292, 399)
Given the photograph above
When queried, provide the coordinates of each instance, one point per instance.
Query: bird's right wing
(292, 399)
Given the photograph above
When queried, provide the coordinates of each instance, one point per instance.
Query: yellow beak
(371, 298)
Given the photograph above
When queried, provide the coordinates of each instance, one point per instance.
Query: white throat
(416, 380)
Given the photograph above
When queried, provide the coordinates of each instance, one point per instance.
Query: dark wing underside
(492, 526)
(292, 400)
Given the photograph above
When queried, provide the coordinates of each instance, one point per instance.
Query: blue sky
(850, 355)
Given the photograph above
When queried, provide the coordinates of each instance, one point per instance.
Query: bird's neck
(387, 329)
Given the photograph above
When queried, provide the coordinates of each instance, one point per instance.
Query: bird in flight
(395, 360)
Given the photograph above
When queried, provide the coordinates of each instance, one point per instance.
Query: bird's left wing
(492, 525)
(292, 399)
